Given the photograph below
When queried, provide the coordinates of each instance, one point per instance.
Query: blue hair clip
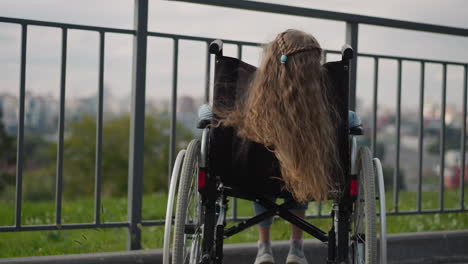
(283, 59)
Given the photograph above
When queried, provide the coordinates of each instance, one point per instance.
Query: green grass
(36, 243)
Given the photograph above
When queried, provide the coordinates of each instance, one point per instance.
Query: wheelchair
(222, 165)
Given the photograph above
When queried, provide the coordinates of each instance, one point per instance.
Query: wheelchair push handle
(216, 47)
(347, 52)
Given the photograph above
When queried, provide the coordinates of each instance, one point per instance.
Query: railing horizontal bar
(332, 51)
(152, 222)
(63, 227)
(64, 25)
(161, 222)
(402, 58)
(185, 37)
(323, 14)
(426, 212)
(411, 59)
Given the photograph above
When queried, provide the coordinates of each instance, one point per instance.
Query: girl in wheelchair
(286, 108)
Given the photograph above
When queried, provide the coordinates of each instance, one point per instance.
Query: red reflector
(201, 179)
(353, 187)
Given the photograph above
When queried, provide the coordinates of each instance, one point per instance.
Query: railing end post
(352, 32)
(137, 126)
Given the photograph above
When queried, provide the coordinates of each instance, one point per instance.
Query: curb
(408, 248)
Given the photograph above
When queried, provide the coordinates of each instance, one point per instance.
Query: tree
(452, 140)
(7, 156)
(7, 145)
(80, 153)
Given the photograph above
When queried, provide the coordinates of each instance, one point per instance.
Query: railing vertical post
(374, 106)
(173, 134)
(396, 171)
(137, 125)
(352, 31)
(61, 128)
(442, 136)
(207, 73)
(99, 119)
(20, 136)
(421, 136)
(463, 141)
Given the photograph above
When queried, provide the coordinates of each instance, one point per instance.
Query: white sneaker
(264, 254)
(296, 254)
(293, 259)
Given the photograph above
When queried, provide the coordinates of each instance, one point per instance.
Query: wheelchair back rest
(247, 165)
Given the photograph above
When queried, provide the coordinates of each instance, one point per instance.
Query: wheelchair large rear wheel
(364, 242)
(188, 224)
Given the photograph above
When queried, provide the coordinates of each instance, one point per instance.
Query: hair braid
(302, 48)
(282, 43)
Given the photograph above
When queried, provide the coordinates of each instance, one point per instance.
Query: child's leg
(299, 210)
(296, 232)
(264, 226)
(265, 252)
(296, 252)
(263, 233)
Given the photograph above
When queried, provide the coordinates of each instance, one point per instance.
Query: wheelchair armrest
(216, 47)
(203, 123)
(357, 131)
(347, 52)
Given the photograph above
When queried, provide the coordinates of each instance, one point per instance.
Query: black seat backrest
(246, 165)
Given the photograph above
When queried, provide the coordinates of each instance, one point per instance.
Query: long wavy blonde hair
(286, 109)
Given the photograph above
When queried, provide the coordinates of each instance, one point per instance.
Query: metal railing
(135, 174)
(135, 196)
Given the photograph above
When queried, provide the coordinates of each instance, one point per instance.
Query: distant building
(42, 111)
(186, 105)
(9, 109)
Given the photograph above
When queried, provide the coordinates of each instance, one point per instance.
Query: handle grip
(347, 52)
(216, 47)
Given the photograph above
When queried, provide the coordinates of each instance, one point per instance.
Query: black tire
(188, 224)
(364, 242)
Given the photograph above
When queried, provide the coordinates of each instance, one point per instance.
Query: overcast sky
(173, 17)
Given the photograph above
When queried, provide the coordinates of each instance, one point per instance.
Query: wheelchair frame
(214, 204)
